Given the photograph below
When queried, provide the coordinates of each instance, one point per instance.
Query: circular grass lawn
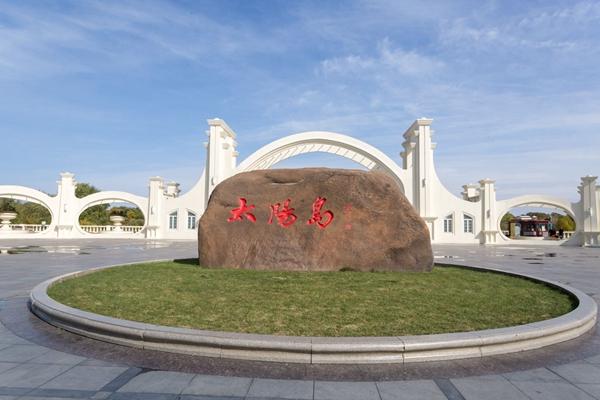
(449, 299)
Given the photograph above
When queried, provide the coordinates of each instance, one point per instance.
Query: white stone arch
(110, 196)
(325, 142)
(505, 206)
(24, 193)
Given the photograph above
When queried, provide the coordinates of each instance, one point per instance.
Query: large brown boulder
(335, 218)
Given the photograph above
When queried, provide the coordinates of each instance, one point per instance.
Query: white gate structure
(474, 218)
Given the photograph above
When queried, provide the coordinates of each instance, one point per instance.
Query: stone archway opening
(19, 215)
(531, 223)
(111, 217)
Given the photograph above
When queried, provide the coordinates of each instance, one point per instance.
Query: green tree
(85, 189)
(539, 215)
(505, 221)
(565, 222)
(8, 205)
(95, 215)
(27, 212)
(32, 213)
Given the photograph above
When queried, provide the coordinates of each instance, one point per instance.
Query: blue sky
(117, 92)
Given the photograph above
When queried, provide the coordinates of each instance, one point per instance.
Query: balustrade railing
(99, 229)
(34, 228)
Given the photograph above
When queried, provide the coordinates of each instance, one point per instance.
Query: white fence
(99, 229)
(33, 228)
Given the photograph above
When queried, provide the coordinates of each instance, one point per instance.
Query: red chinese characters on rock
(317, 217)
(237, 214)
(285, 215)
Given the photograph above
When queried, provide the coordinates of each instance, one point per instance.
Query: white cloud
(543, 28)
(105, 35)
(386, 60)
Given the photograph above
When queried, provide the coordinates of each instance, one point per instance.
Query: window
(468, 223)
(173, 220)
(448, 223)
(191, 220)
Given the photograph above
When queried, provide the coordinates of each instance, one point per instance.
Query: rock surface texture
(313, 219)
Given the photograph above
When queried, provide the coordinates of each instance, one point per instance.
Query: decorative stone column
(489, 220)
(417, 157)
(221, 154)
(156, 221)
(590, 203)
(66, 218)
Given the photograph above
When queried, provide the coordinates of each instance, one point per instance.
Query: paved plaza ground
(38, 361)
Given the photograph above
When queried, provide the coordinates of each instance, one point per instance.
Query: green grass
(449, 299)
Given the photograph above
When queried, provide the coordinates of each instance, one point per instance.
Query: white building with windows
(474, 218)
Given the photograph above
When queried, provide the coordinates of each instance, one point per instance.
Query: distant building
(526, 226)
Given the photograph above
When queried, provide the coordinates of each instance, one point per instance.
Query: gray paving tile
(491, 387)
(410, 390)
(448, 388)
(47, 398)
(552, 391)
(122, 379)
(21, 352)
(9, 338)
(6, 366)
(594, 359)
(201, 397)
(61, 393)
(533, 375)
(99, 363)
(7, 391)
(31, 375)
(591, 388)
(209, 385)
(345, 391)
(8, 397)
(101, 395)
(143, 396)
(158, 382)
(279, 388)
(245, 398)
(57, 357)
(578, 372)
(84, 378)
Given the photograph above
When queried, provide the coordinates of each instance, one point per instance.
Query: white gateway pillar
(590, 203)
(418, 158)
(67, 204)
(489, 234)
(155, 224)
(221, 154)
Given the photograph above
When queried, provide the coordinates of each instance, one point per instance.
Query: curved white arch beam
(24, 193)
(104, 197)
(327, 142)
(533, 200)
